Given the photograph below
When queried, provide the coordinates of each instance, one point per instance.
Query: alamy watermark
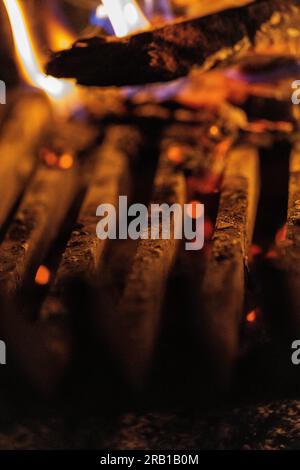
(2, 92)
(296, 353)
(159, 221)
(2, 353)
(296, 94)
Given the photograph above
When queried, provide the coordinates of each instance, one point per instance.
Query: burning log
(293, 220)
(40, 349)
(48, 195)
(130, 328)
(169, 52)
(35, 225)
(222, 292)
(23, 130)
(82, 257)
(284, 295)
(52, 334)
(292, 245)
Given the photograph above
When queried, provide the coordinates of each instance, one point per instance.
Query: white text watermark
(159, 221)
(2, 92)
(2, 353)
(296, 93)
(296, 354)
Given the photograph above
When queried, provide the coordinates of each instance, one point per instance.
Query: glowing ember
(54, 159)
(271, 254)
(195, 210)
(280, 235)
(255, 250)
(66, 161)
(48, 156)
(251, 316)
(214, 131)
(175, 154)
(125, 16)
(262, 125)
(42, 277)
(27, 56)
(208, 229)
(207, 184)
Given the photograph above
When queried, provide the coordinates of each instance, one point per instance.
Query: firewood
(171, 51)
(293, 226)
(24, 128)
(284, 292)
(222, 290)
(52, 333)
(131, 325)
(40, 354)
(291, 252)
(82, 257)
(35, 225)
(48, 195)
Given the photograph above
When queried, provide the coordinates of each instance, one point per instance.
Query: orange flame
(125, 16)
(59, 36)
(28, 57)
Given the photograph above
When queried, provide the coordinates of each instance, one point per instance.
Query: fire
(59, 38)
(28, 57)
(125, 16)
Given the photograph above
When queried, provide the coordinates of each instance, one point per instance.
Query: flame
(100, 11)
(125, 16)
(59, 37)
(28, 57)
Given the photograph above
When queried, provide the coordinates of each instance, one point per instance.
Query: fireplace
(176, 103)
